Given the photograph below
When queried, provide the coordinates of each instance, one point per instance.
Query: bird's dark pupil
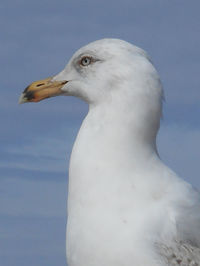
(85, 61)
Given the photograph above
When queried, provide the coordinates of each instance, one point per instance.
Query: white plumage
(125, 207)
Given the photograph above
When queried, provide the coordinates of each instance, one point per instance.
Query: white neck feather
(107, 131)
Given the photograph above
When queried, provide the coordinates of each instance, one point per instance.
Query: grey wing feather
(181, 254)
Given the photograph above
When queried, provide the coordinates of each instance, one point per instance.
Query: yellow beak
(42, 89)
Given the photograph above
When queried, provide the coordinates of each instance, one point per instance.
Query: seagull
(125, 206)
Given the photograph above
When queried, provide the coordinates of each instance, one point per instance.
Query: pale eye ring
(85, 61)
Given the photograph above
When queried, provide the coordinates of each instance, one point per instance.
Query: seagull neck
(119, 129)
(139, 124)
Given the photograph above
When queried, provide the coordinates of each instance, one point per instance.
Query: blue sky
(37, 39)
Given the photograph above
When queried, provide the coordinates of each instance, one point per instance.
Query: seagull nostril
(40, 84)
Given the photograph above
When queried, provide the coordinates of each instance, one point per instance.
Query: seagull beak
(42, 89)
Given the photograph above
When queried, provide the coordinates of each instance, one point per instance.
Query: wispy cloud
(44, 153)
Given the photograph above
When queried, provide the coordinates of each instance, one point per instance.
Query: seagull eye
(85, 61)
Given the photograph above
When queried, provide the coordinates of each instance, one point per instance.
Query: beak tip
(22, 99)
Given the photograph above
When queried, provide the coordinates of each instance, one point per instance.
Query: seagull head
(106, 70)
